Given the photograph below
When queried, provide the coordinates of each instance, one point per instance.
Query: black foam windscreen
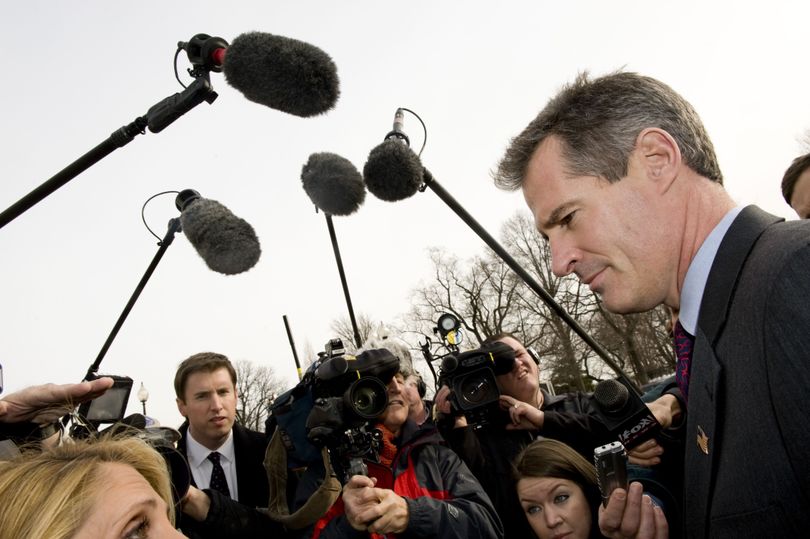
(227, 243)
(283, 73)
(333, 183)
(393, 172)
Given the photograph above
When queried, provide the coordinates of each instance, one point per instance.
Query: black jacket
(491, 450)
(249, 449)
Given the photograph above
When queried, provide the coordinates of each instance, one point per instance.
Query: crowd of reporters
(430, 473)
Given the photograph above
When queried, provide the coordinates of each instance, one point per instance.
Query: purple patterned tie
(683, 351)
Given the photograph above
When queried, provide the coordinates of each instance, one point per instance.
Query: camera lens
(367, 398)
(475, 389)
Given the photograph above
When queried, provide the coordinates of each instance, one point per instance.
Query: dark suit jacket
(749, 383)
(249, 447)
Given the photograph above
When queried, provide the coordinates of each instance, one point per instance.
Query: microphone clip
(398, 135)
(205, 53)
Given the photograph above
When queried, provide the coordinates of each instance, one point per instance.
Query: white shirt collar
(698, 273)
(198, 453)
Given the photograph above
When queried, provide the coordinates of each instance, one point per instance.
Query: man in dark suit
(623, 181)
(221, 454)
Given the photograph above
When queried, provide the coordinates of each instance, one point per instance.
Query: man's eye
(565, 221)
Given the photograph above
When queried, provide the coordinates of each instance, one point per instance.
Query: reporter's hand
(46, 403)
(376, 510)
(442, 405)
(646, 454)
(196, 504)
(524, 416)
(666, 409)
(630, 514)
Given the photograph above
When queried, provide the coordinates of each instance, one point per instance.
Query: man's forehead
(216, 377)
(546, 188)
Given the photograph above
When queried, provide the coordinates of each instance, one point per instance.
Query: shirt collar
(198, 453)
(698, 273)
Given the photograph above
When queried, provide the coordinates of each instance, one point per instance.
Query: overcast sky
(476, 72)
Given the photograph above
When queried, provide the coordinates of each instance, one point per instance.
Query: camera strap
(275, 463)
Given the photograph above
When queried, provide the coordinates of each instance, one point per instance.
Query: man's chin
(619, 304)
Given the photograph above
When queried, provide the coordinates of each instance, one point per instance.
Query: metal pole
(343, 279)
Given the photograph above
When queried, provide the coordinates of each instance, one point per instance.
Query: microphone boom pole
(174, 227)
(159, 116)
(430, 181)
(292, 345)
(339, 262)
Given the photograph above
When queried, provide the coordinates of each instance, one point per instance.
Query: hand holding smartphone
(611, 468)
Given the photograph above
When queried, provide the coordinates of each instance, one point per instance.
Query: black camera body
(471, 379)
(333, 404)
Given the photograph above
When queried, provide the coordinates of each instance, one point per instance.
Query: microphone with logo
(394, 172)
(336, 187)
(280, 72)
(623, 412)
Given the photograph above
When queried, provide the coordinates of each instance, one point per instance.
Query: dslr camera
(471, 378)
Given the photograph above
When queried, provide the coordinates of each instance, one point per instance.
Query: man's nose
(564, 256)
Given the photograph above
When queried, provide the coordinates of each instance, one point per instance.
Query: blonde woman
(91, 489)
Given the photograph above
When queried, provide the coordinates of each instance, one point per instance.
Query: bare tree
(256, 388)
(342, 328)
(488, 298)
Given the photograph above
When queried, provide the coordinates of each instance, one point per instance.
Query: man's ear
(659, 156)
(181, 407)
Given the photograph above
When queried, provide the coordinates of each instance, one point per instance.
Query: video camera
(471, 379)
(332, 406)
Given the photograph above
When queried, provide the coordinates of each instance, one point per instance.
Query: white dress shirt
(201, 467)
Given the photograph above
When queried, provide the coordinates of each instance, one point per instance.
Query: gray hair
(597, 122)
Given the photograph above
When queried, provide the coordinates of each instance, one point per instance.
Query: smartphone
(109, 407)
(611, 468)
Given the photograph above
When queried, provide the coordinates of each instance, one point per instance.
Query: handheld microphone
(333, 184)
(227, 243)
(280, 72)
(624, 413)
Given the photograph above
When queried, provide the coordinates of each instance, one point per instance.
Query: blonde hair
(49, 494)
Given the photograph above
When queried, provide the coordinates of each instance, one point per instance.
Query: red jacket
(444, 498)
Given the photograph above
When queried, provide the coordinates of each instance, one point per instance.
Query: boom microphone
(227, 243)
(283, 73)
(624, 413)
(333, 184)
(393, 172)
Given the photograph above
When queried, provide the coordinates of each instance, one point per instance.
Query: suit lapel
(704, 417)
(243, 482)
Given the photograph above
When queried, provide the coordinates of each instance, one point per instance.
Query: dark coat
(227, 518)
(747, 472)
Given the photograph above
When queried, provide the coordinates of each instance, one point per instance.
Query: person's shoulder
(248, 434)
